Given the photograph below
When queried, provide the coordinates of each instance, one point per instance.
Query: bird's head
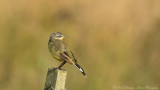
(57, 35)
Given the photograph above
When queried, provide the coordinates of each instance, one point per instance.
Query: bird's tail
(80, 69)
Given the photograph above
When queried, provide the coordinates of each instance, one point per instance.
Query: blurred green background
(117, 42)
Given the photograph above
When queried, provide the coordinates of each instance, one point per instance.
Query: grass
(116, 42)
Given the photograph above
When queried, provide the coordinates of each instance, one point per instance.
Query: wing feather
(65, 56)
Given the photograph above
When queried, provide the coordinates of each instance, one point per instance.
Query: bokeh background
(117, 42)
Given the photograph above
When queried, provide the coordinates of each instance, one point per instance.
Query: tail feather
(80, 69)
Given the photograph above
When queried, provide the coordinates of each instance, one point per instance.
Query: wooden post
(55, 79)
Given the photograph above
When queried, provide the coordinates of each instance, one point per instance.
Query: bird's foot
(59, 68)
(51, 69)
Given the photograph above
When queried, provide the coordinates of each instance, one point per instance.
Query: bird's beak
(65, 36)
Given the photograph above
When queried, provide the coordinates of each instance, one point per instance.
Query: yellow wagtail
(61, 52)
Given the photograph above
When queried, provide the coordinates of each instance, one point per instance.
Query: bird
(61, 52)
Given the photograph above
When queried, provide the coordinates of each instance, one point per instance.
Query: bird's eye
(58, 36)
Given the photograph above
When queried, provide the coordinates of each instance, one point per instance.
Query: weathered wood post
(55, 79)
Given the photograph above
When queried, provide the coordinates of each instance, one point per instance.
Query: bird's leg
(59, 67)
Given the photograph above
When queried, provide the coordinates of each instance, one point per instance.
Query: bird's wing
(65, 56)
(74, 59)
